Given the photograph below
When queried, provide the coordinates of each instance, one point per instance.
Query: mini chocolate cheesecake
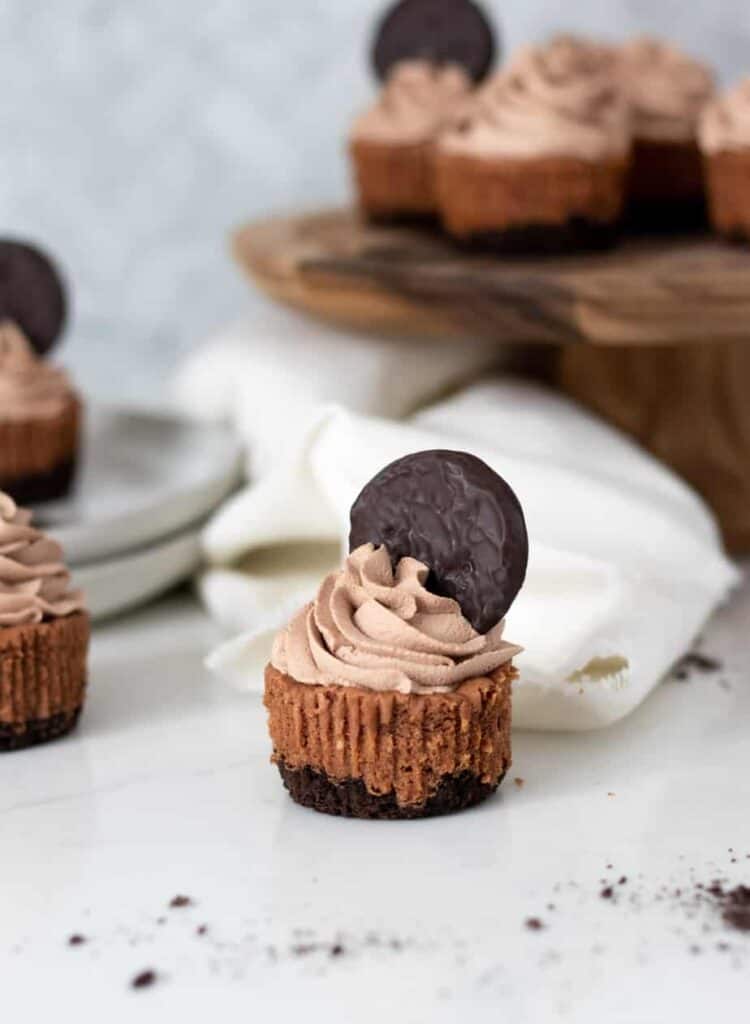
(40, 413)
(40, 422)
(540, 164)
(44, 635)
(389, 695)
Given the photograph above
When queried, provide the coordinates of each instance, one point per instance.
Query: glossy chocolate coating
(455, 514)
(32, 293)
(443, 31)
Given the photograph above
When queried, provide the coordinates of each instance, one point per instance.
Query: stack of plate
(147, 484)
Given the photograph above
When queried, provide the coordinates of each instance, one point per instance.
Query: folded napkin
(268, 373)
(625, 563)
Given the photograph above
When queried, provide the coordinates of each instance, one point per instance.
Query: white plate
(124, 583)
(144, 476)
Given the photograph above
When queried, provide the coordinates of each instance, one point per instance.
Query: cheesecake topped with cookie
(40, 411)
(389, 695)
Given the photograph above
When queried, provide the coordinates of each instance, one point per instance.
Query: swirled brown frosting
(561, 99)
(373, 628)
(34, 582)
(667, 90)
(725, 124)
(30, 388)
(418, 101)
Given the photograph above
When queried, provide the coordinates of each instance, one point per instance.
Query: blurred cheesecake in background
(429, 57)
(40, 412)
(393, 143)
(541, 162)
(725, 141)
(667, 91)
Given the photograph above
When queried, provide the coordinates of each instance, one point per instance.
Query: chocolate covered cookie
(452, 512)
(32, 293)
(440, 31)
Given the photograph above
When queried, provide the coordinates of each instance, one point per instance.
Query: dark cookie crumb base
(40, 730)
(351, 799)
(682, 216)
(396, 219)
(575, 235)
(40, 487)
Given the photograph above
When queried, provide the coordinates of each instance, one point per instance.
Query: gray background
(136, 134)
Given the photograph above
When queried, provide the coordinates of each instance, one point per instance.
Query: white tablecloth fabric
(625, 566)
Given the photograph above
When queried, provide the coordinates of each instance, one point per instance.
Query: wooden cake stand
(654, 335)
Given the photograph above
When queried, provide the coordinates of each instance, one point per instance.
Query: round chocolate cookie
(443, 31)
(32, 293)
(452, 512)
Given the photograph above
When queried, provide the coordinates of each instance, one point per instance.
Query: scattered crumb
(337, 949)
(622, 880)
(76, 940)
(202, 929)
(607, 892)
(144, 980)
(520, 782)
(611, 794)
(534, 924)
(180, 901)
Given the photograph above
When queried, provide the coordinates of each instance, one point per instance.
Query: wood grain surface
(415, 281)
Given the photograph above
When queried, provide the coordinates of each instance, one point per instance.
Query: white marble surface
(136, 134)
(166, 789)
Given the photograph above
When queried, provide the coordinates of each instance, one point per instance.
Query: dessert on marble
(389, 695)
(725, 142)
(44, 635)
(40, 413)
(429, 55)
(541, 163)
(667, 91)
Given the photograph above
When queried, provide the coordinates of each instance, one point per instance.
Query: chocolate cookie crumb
(534, 924)
(202, 929)
(737, 908)
(607, 893)
(695, 661)
(144, 980)
(181, 901)
(76, 940)
(337, 949)
(520, 783)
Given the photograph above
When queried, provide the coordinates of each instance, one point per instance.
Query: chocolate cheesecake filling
(372, 754)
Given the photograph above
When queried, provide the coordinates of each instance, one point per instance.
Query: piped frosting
(725, 124)
(34, 581)
(560, 99)
(383, 630)
(30, 387)
(418, 101)
(667, 90)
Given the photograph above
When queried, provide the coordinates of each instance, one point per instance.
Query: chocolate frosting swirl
(418, 101)
(29, 386)
(561, 99)
(666, 89)
(34, 582)
(725, 123)
(381, 630)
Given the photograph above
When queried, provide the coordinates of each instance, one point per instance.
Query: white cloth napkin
(625, 564)
(269, 372)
